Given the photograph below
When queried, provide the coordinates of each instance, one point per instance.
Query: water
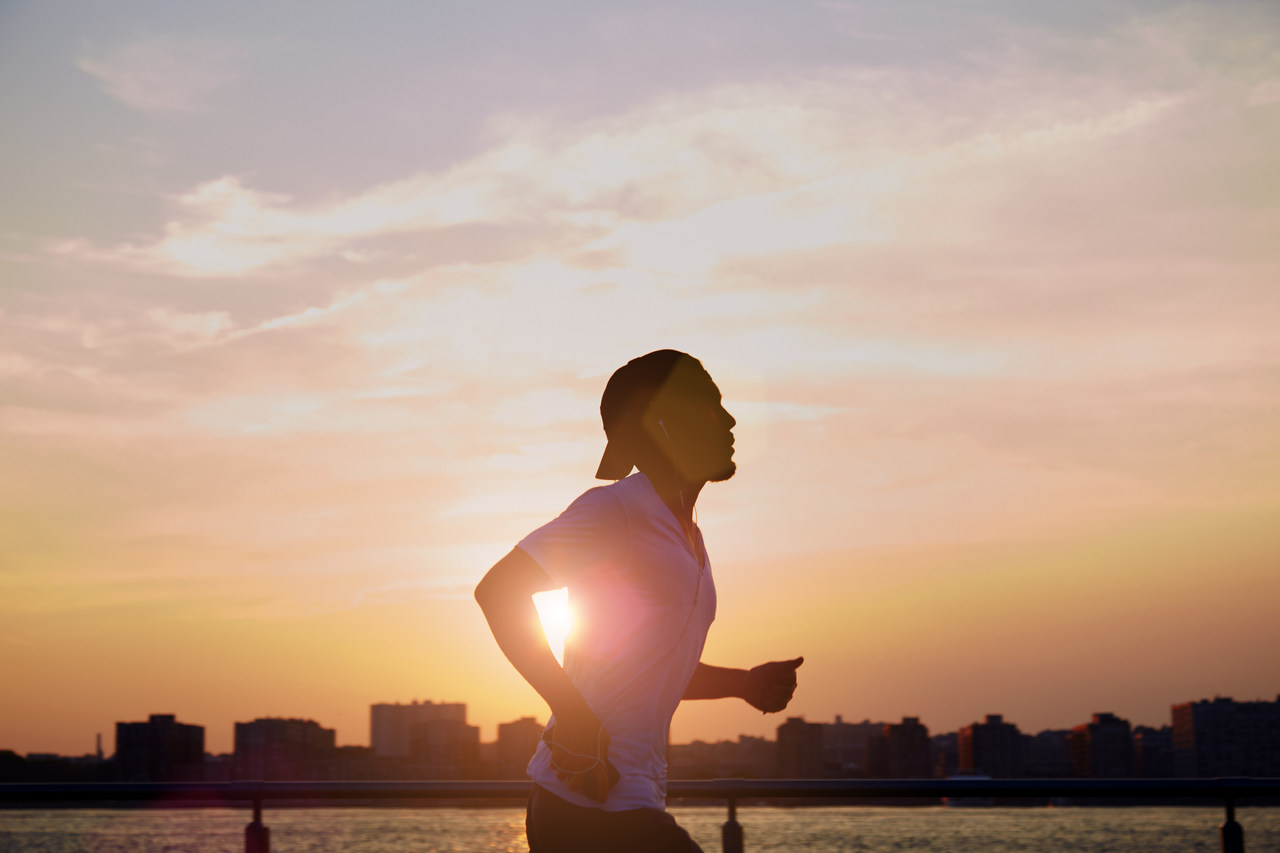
(767, 830)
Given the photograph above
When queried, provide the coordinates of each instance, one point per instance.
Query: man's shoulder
(630, 490)
(606, 501)
(613, 504)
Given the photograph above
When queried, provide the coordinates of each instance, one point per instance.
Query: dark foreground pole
(731, 833)
(257, 838)
(1232, 833)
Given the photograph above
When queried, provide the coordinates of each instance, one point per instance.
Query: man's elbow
(497, 584)
(515, 577)
(484, 592)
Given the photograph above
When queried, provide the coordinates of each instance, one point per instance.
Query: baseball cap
(629, 391)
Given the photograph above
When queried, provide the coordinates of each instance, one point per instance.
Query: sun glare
(553, 610)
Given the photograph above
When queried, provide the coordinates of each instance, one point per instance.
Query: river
(767, 830)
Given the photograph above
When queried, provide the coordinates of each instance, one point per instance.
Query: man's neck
(677, 493)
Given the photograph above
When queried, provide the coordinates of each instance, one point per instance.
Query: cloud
(198, 327)
(980, 279)
(691, 180)
(1265, 93)
(675, 187)
(161, 73)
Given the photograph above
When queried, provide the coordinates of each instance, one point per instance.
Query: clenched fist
(770, 686)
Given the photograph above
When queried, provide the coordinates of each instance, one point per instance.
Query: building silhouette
(901, 751)
(746, 758)
(356, 763)
(753, 758)
(1226, 738)
(273, 748)
(944, 754)
(1153, 752)
(446, 750)
(799, 751)
(844, 747)
(393, 727)
(159, 750)
(992, 748)
(517, 741)
(427, 740)
(1047, 755)
(1103, 748)
(44, 767)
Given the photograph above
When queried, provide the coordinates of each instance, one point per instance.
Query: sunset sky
(306, 308)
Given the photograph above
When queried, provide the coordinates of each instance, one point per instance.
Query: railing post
(731, 833)
(1232, 833)
(257, 838)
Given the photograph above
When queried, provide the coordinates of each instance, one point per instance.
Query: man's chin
(724, 473)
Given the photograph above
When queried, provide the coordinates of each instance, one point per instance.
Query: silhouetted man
(642, 597)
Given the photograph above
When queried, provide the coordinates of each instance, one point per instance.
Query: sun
(557, 621)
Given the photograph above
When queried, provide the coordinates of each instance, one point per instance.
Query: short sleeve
(590, 536)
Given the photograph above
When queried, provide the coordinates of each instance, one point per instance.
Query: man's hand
(770, 686)
(580, 755)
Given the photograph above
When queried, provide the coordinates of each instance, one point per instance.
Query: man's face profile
(688, 424)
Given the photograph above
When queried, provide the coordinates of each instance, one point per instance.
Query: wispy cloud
(675, 187)
(161, 73)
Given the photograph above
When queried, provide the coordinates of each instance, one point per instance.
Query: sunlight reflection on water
(767, 830)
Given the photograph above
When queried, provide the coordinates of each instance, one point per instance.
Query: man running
(642, 595)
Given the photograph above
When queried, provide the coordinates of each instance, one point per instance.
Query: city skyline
(459, 711)
(425, 740)
(306, 309)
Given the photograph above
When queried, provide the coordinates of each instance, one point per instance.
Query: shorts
(556, 826)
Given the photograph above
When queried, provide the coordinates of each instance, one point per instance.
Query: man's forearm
(768, 687)
(716, 682)
(520, 637)
(506, 598)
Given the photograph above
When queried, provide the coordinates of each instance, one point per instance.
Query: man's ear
(652, 429)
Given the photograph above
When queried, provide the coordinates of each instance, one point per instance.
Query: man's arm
(768, 687)
(580, 747)
(505, 594)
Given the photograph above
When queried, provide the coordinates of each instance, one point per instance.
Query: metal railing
(257, 836)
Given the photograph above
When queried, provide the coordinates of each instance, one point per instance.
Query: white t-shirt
(642, 603)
